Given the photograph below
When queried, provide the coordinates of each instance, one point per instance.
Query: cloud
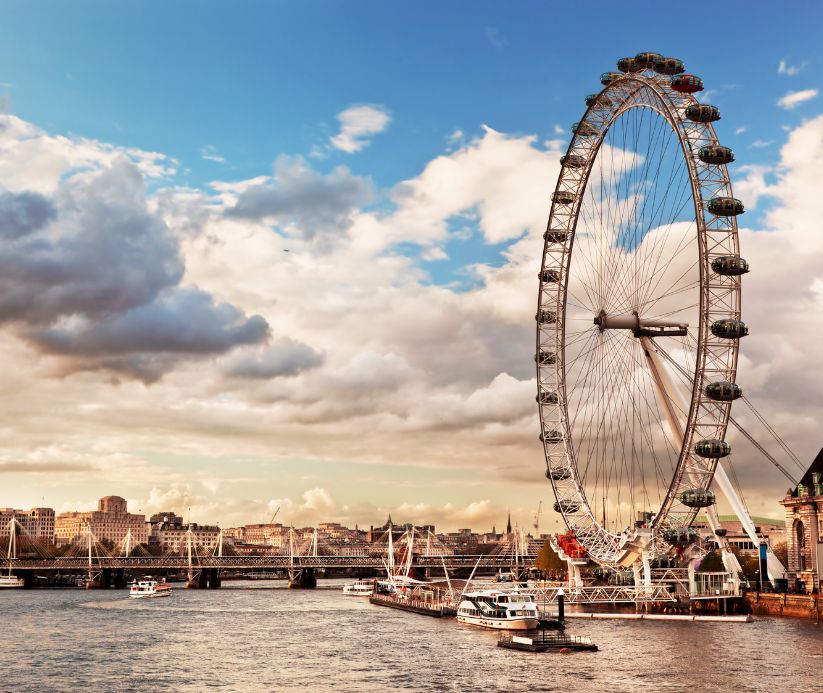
(209, 153)
(22, 467)
(783, 68)
(496, 38)
(760, 144)
(741, 130)
(793, 98)
(285, 357)
(303, 200)
(23, 213)
(357, 125)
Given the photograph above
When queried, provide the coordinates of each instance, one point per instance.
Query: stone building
(169, 533)
(110, 522)
(37, 523)
(804, 527)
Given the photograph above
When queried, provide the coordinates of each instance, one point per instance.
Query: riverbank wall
(792, 605)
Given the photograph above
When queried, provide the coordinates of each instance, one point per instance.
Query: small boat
(11, 581)
(361, 588)
(499, 610)
(149, 587)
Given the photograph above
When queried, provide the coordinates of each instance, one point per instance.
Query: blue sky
(409, 370)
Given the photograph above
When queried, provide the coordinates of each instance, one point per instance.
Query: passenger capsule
(573, 160)
(555, 235)
(729, 329)
(680, 536)
(687, 84)
(598, 101)
(545, 358)
(646, 61)
(628, 65)
(545, 317)
(547, 398)
(558, 473)
(712, 449)
(725, 206)
(668, 66)
(584, 129)
(715, 154)
(720, 532)
(697, 498)
(552, 437)
(566, 506)
(562, 197)
(723, 391)
(730, 265)
(608, 77)
(549, 276)
(702, 113)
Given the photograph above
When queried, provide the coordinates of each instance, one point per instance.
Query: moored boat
(499, 610)
(11, 581)
(149, 587)
(361, 588)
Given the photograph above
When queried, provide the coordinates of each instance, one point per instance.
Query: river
(257, 636)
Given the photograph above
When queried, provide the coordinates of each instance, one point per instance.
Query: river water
(257, 636)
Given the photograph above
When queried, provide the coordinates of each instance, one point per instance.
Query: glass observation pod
(566, 506)
(729, 329)
(720, 532)
(668, 66)
(562, 197)
(573, 160)
(545, 358)
(702, 113)
(547, 398)
(555, 235)
(582, 129)
(646, 61)
(697, 498)
(608, 77)
(715, 154)
(549, 276)
(545, 317)
(628, 65)
(551, 437)
(725, 206)
(598, 101)
(681, 536)
(712, 449)
(558, 473)
(687, 84)
(730, 265)
(723, 391)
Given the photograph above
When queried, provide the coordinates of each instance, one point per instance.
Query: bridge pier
(304, 579)
(214, 578)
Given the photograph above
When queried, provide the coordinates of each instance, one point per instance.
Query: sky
(274, 254)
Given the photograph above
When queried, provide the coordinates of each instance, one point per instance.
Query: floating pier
(662, 617)
(544, 641)
(426, 607)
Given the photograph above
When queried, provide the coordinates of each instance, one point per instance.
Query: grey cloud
(22, 213)
(300, 195)
(43, 467)
(283, 358)
(147, 340)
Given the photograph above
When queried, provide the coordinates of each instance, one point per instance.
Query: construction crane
(275, 515)
(537, 519)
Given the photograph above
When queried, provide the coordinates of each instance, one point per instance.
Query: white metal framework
(626, 283)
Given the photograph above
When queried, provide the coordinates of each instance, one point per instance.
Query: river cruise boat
(499, 610)
(149, 587)
(361, 588)
(11, 581)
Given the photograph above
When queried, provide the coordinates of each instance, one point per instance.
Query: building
(769, 530)
(804, 527)
(111, 522)
(37, 523)
(169, 534)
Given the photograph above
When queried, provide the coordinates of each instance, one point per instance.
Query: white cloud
(783, 68)
(209, 153)
(791, 99)
(357, 125)
(761, 144)
(741, 130)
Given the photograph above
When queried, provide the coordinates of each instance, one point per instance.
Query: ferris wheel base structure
(643, 191)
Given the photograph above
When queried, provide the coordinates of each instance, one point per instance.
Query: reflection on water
(246, 637)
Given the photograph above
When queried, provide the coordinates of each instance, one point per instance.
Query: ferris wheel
(639, 316)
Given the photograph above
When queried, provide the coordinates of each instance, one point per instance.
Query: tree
(712, 563)
(548, 562)
(781, 551)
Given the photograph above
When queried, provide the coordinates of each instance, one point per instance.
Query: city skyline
(354, 257)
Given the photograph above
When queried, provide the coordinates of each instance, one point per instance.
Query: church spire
(509, 524)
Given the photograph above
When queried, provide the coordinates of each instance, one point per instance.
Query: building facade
(111, 522)
(804, 528)
(37, 523)
(172, 536)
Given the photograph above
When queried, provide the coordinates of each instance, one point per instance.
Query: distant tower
(389, 522)
(494, 531)
(509, 524)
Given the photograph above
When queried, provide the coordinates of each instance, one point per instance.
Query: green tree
(548, 562)
(712, 563)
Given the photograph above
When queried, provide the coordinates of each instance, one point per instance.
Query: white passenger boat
(11, 580)
(149, 587)
(499, 610)
(361, 588)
